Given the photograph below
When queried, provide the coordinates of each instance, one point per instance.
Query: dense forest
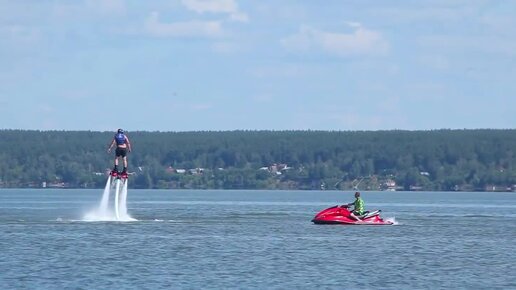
(366, 160)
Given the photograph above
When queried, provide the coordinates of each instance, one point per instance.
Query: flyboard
(116, 185)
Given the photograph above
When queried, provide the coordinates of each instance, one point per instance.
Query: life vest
(359, 205)
(120, 138)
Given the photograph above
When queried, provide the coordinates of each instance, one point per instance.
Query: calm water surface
(256, 239)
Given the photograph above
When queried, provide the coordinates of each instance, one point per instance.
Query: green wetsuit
(358, 206)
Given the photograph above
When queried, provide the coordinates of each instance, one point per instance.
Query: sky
(197, 65)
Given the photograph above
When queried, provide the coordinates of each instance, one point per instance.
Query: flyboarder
(122, 145)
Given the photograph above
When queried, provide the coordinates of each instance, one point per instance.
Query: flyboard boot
(114, 172)
(124, 173)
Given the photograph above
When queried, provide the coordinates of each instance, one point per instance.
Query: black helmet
(120, 131)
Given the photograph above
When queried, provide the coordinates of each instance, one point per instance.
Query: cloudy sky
(189, 65)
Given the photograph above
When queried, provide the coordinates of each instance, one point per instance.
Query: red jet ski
(341, 215)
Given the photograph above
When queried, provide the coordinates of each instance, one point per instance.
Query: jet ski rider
(122, 145)
(358, 207)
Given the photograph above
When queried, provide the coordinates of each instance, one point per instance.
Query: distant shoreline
(434, 160)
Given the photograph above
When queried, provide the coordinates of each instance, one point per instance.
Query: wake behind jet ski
(342, 215)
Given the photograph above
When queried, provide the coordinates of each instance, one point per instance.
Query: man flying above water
(122, 145)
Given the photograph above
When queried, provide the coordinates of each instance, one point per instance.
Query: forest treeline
(367, 160)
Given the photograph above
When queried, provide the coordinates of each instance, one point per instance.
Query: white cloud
(350, 119)
(216, 6)
(283, 71)
(463, 44)
(239, 17)
(87, 10)
(108, 6)
(360, 41)
(354, 24)
(193, 28)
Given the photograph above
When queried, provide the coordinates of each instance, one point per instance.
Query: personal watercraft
(341, 215)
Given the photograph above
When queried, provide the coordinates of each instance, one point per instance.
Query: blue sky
(189, 65)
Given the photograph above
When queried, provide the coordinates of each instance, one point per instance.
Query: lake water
(256, 239)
